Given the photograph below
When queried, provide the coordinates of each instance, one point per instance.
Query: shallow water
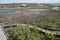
(13, 11)
(9, 11)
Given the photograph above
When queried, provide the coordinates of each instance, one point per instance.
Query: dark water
(9, 11)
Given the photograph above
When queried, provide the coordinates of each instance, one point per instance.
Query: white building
(56, 8)
(24, 5)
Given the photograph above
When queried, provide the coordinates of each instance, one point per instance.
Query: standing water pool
(9, 11)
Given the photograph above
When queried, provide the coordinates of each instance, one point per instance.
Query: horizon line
(13, 3)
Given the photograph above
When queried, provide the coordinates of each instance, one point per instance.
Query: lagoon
(9, 11)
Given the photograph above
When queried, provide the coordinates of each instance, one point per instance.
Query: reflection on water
(13, 11)
(3, 11)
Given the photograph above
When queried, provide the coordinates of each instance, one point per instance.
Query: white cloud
(29, 1)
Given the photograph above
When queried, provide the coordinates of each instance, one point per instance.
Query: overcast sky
(29, 1)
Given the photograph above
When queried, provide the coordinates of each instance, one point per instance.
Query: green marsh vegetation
(26, 33)
(53, 24)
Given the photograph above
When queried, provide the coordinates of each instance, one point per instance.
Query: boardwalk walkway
(2, 34)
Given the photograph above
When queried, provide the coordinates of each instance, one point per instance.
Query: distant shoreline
(9, 8)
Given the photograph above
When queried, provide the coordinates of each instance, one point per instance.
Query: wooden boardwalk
(2, 34)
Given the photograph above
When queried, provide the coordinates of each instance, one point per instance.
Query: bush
(26, 33)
